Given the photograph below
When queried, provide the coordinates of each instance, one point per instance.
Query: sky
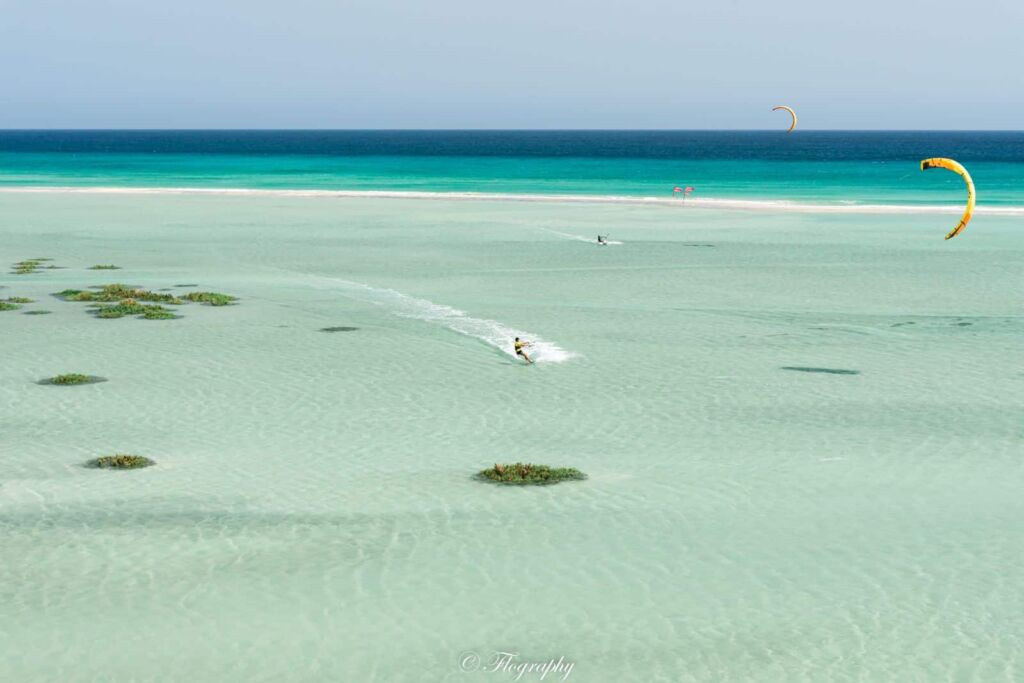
(719, 64)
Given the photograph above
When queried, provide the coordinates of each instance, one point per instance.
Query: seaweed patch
(120, 462)
(827, 371)
(71, 379)
(528, 474)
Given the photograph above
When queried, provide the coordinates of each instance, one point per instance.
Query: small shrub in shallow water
(19, 300)
(126, 307)
(131, 307)
(29, 266)
(127, 301)
(5, 306)
(37, 312)
(529, 474)
(105, 267)
(338, 329)
(211, 298)
(72, 379)
(119, 292)
(120, 462)
(111, 293)
(158, 313)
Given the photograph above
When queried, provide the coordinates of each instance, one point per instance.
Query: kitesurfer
(602, 239)
(521, 350)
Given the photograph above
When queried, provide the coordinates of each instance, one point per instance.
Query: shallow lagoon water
(313, 516)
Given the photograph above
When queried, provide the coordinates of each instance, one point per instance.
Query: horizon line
(511, 130)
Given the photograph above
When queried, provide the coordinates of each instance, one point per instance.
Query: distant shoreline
(783, 206)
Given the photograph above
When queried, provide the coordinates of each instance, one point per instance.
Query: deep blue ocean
(825, 166)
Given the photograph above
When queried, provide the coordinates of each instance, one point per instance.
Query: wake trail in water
(580, 238)
(491, 332)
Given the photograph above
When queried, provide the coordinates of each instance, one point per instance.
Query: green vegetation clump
(126, 307)
(211, 298)
(132, 307)
(111, 293)
(5, 306)
(37, 312)
(338, 329)
(71, 379)
(105, 267)
(529, 474)
(127, 301)
(29, 266)
(26, 267)
(19, 300)
(158, 313)
(120, 462)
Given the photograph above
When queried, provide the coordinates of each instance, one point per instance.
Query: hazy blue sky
(522, 64)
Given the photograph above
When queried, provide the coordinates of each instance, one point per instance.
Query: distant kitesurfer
(521, 350)
(602, 239)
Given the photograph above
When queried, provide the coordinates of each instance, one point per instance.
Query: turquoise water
(862, 182)
(835, 167)
(802, 427)
(312, 515)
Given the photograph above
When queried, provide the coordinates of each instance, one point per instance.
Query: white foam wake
(491, 332)
(778, 205)
(580, 238)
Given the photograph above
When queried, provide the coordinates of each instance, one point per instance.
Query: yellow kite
(791, 113)
(955, 166)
